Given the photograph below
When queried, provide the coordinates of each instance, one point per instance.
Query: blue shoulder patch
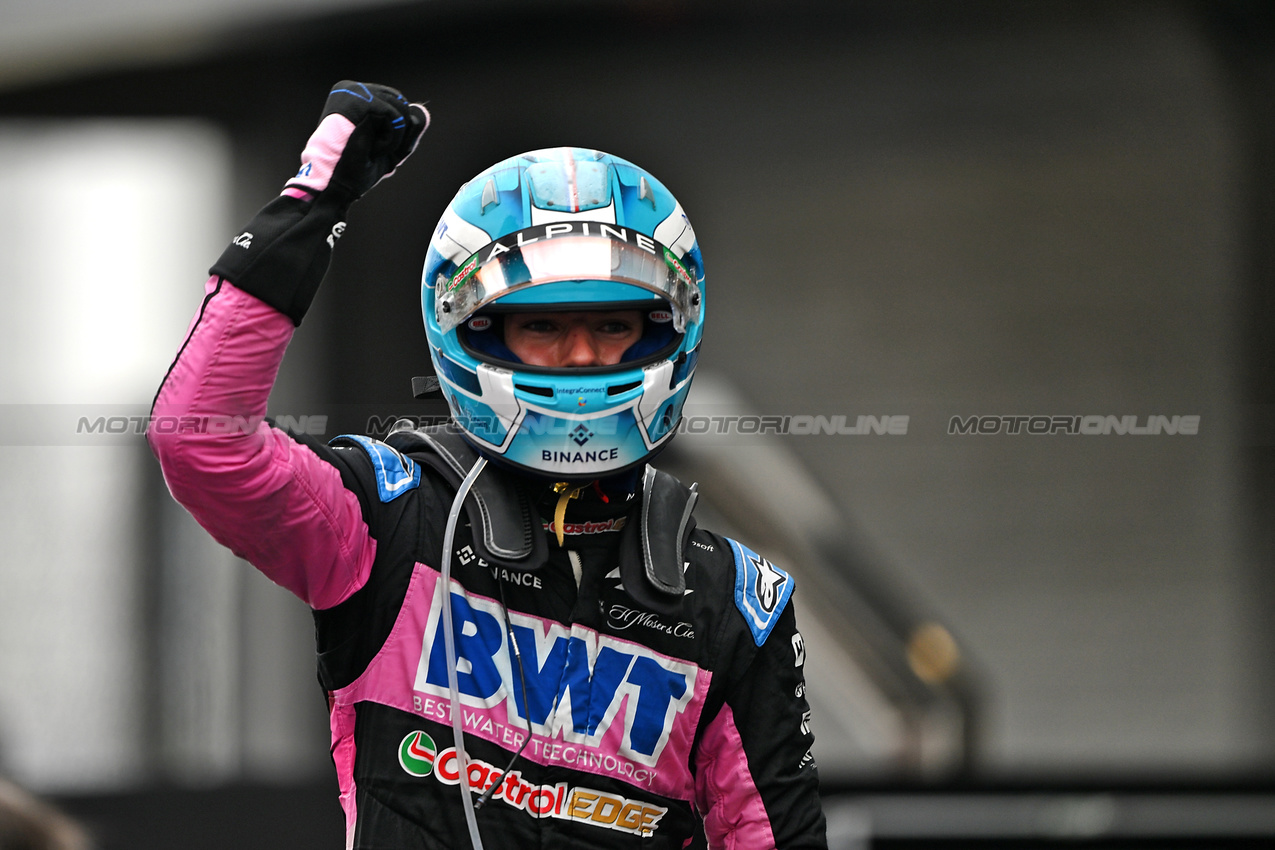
(395, 473)
(761, 590)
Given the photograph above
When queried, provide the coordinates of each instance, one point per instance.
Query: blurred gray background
(909, 208)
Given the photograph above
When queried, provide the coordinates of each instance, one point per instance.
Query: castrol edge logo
(560, 800)
(416, 754)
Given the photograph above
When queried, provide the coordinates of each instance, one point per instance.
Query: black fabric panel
(282, 255)
(348, 635)
(768, 702)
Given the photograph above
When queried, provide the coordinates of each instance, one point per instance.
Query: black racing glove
(364, 133)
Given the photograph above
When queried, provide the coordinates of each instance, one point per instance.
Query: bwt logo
(597, 680)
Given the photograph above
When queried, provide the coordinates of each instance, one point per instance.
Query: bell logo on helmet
(661, 316)
(479, 323)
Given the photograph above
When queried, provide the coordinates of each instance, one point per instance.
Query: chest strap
(511, 534)
(652, 550)
(507, 530)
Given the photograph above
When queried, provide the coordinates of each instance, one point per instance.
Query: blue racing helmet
(564, 230)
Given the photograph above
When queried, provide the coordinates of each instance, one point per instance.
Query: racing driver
(524, 638)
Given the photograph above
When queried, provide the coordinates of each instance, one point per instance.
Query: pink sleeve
(734, 816)
(270, 499)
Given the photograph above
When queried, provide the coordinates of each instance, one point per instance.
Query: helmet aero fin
(564, 230)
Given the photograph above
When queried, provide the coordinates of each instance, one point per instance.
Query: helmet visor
(566, 250)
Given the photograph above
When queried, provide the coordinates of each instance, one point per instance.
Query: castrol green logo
(416, 754)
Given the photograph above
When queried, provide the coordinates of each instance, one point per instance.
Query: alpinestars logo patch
(761, 590)
(768, 583)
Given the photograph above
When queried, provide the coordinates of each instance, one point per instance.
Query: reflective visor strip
(566, 250)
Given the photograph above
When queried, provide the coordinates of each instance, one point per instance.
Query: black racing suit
(636, 725)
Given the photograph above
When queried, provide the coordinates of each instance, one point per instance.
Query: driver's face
(572, 339)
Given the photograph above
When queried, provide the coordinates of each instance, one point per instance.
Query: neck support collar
(508, 530)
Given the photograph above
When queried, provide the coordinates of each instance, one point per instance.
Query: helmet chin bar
(498, 392)
(657, 388)
(557, 443)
